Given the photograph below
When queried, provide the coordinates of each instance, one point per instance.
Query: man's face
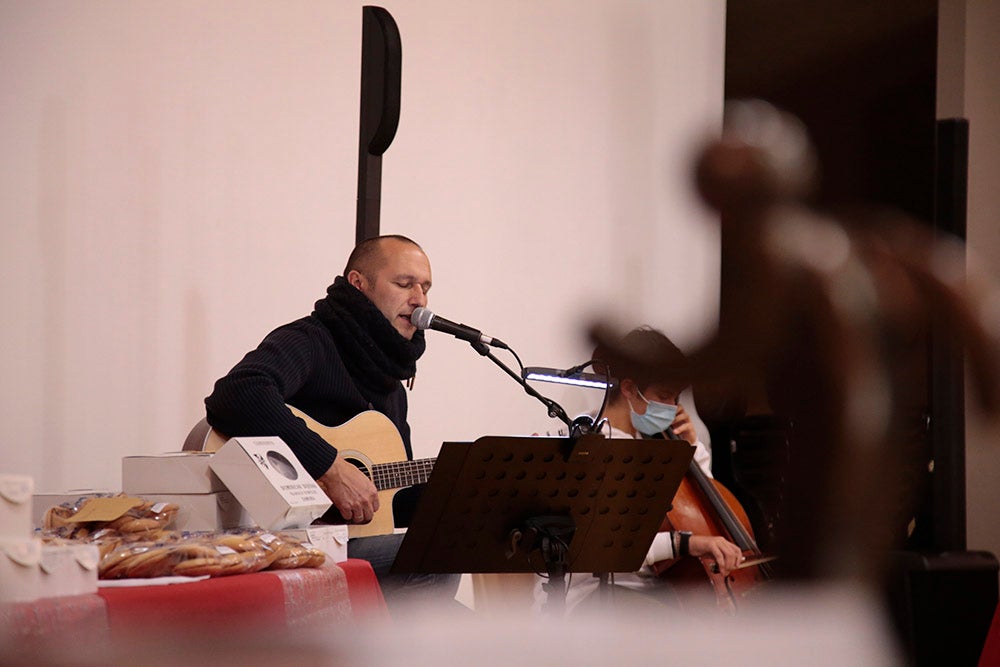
(398, 285)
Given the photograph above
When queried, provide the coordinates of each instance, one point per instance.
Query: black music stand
(540, 504)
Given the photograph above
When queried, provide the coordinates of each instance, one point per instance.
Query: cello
(704, 506)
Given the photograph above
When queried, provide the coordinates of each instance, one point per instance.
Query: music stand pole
(556, 533)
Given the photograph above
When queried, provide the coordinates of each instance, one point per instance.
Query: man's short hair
(367, 255)
(645, 343)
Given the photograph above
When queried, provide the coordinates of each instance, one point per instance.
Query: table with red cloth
(991, 648)
(284, 599)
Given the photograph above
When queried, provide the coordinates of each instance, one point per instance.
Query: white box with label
(172, 472)
(330, 539)
(270, 482)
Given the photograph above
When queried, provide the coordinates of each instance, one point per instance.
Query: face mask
(658, 416)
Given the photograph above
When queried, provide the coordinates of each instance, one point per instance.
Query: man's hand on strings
(350, 490)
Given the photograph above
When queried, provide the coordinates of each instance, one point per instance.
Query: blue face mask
(657, 418)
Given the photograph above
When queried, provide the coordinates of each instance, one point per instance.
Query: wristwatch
(683, 539)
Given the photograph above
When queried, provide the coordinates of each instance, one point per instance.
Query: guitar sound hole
(361, 466)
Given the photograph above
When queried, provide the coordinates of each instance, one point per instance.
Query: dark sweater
(341, 360)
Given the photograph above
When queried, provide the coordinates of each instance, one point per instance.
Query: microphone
(425, 319)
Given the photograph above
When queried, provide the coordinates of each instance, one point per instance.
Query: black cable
(519, 364)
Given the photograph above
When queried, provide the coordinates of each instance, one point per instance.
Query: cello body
(704, 506)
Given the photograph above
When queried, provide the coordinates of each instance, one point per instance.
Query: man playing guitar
(350, 355)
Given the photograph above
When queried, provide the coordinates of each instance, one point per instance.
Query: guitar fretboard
(398, 474)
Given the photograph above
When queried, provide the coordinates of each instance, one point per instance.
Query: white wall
(982, 107)
(178, 178)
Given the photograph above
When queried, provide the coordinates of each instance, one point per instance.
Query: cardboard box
(330, 539)
(269, 482)
(20, 575)
(30, 570)
(15, 506)
(68, 569)
(205, 511)
(42, 502)
(173, 472)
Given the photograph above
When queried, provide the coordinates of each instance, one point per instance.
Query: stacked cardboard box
(29, 568)
(268, 479)
(248, 482)
(185, 479)
(279, 494)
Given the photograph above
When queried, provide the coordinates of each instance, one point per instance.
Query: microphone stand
(555, 532)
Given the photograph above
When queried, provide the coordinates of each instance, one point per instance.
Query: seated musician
(351, 354)
(636, 408)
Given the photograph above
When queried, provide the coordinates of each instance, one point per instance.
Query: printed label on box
(105, 509)
(270, 482)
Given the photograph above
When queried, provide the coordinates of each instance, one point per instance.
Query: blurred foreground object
(825, 322)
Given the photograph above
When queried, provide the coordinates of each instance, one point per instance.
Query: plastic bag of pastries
(138, 560)
(145, 519)
(200, 554)
(254, 544)
(177, 555)
(279, 551)
(237, 555)
(291, 553)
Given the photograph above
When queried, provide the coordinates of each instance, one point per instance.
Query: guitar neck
(398, 474)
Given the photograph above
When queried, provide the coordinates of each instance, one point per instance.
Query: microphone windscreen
(421, 318)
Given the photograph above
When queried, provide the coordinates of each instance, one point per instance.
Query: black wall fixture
(381, 66)
(946, 497)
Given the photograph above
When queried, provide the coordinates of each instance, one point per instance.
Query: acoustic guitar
(370, 441)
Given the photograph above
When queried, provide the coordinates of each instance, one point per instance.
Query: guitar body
(382, 444)
(369, 440)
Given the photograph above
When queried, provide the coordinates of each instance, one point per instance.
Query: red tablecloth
(284, 599)
(990, 656)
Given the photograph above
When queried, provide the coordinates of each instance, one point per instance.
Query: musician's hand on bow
(726, 554)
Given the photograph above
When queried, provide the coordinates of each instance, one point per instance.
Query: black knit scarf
(376, 355)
